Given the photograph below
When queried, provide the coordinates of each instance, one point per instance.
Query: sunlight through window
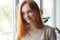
(6, 17)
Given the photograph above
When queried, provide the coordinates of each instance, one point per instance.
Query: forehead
(26, 7)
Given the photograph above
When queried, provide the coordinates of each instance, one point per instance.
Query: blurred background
(8, 16)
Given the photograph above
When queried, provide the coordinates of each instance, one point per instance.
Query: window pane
(6, 17)
(48, 10)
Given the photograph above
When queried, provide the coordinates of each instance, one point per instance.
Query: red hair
(22, 28)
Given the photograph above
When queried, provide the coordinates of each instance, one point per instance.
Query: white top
(46, 33)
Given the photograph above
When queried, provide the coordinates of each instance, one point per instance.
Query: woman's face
(28, 14)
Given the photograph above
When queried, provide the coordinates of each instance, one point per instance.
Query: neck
(33, 27)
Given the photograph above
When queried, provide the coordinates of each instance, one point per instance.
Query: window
(48, 10)
(6, 20)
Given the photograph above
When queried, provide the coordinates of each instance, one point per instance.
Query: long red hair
(22, 29)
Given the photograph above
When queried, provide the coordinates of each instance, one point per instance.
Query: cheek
(31, 14)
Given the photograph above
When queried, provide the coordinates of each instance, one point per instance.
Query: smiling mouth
(27, 19)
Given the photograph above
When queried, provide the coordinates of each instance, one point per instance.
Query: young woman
(32, 27)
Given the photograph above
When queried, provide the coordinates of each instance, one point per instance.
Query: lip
(27, 19)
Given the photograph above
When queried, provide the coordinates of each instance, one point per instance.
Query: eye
(29, 11)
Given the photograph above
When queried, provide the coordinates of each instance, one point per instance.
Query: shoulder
(49, 28)
(50, 32)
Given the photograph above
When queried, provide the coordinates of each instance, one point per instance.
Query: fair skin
(29, 16)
